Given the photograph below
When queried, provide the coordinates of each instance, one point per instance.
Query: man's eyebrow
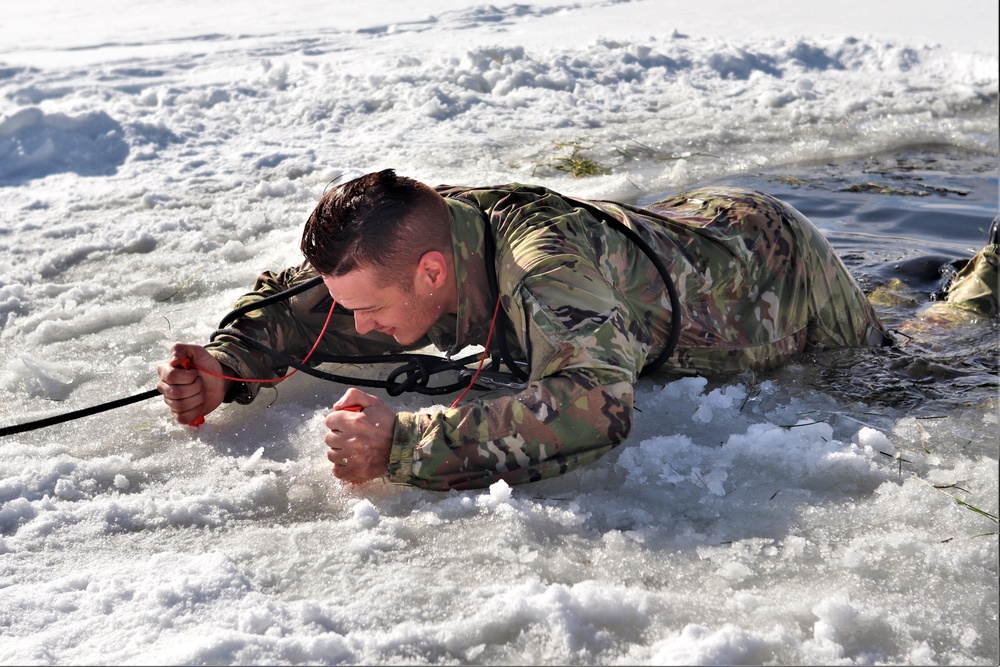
(356, 307)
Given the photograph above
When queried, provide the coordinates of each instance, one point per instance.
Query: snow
(155, 157)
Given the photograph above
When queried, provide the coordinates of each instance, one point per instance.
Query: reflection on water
(903, 224)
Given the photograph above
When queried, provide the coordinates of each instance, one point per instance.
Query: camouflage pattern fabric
(976, 286)
(758, 285)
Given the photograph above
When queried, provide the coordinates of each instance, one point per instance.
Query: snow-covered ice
(155, 157)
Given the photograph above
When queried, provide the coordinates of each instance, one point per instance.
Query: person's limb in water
(970, 296)
(976, 286)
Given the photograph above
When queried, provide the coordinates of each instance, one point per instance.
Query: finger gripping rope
(188, 365)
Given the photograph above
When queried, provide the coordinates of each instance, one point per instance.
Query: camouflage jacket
(587, 309)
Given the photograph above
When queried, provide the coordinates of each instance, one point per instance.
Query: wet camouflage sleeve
(290, 327)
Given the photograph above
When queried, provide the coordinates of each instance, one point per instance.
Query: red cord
(188, 365)
(489, 336)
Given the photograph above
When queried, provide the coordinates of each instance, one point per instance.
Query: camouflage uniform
(758, 284)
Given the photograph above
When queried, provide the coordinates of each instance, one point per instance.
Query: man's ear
(433, 269)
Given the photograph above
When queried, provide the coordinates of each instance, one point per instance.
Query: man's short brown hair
(380, 221)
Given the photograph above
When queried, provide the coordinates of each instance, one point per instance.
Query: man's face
(404, 315)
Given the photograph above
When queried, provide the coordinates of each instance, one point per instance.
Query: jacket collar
(471, 325)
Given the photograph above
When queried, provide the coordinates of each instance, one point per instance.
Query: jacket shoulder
(493, 191)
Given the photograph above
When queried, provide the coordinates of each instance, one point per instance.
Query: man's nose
(362, 323)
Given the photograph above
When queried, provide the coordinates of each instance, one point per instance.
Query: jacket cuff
(405, 438)
(241, 392)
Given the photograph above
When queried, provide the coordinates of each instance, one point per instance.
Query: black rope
(78, 414)
(237, 313)
(675, 301)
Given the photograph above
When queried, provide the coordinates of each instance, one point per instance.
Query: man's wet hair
(380, 221)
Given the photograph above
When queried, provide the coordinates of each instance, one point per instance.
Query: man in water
(580, 304)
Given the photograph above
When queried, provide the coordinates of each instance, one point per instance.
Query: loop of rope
(417, 375)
